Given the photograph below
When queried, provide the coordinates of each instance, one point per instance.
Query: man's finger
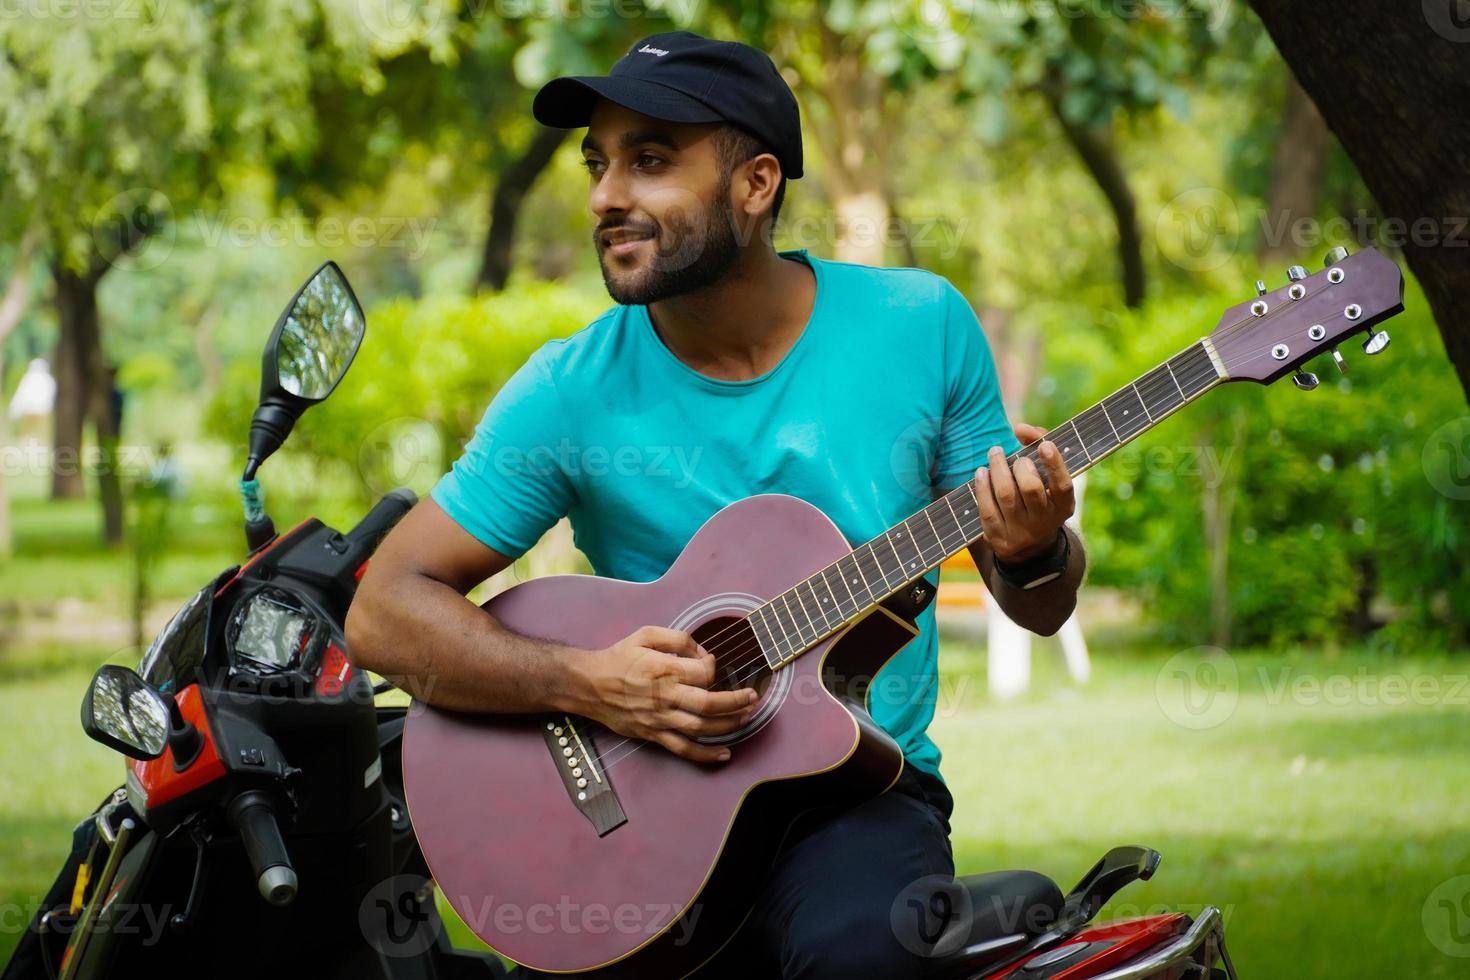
(697, 700)
(1059, 481)
(687, 748)
(1030, 487)
(991, 518)
(1003, 484)
(1026, 433)
(669, 641)
(694, 671)
(691, 724)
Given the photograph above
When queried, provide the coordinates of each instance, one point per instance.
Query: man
(726, 370)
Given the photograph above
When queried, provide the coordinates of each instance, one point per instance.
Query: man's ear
(756, 190)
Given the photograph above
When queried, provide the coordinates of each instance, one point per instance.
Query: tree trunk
(1393, 83)
(1094, 146)
(106, 424)
(84, 386)
(1217, 500)
(856, 121)
(12, 308)
(505, 205)
(77, 338)
(1296, 174)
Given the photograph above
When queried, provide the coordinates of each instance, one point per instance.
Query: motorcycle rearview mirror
(308, 353)
(124, 712)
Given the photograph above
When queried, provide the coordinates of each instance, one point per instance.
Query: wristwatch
(1038, 571)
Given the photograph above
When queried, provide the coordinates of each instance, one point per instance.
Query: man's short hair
(734, 146)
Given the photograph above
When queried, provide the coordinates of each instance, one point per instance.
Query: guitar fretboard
(816, 607)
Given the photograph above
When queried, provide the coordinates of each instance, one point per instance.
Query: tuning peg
(1296, 273)
(1260, 287)
(1376, 342)
(1337, 359)
(1304, 380)
(1335, 256)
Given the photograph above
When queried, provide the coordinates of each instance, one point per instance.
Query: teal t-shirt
(888, 397)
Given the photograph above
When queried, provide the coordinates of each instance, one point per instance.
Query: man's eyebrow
(658, 136)
(634, 138)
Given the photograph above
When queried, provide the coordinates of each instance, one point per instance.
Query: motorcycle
(260, 762)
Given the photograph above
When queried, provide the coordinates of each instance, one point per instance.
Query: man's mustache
(607, 228)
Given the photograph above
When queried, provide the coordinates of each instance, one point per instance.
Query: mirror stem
(183, 738)
(260, 530)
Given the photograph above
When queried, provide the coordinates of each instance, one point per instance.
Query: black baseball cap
(682, 77)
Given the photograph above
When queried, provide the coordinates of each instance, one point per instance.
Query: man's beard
(706, 249)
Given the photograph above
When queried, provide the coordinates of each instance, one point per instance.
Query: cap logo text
(651, 50)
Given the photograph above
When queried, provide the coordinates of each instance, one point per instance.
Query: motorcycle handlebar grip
(385, 513)
(253, 815)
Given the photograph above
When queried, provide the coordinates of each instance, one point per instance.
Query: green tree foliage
(1336, 525)
(422, 378)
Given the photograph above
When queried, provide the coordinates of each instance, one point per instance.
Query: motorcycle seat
(996, 913)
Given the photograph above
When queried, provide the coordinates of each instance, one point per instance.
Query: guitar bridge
(583, 774)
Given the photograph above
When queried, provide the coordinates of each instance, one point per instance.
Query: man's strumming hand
(655, 685)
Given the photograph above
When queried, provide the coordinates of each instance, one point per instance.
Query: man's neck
(742, 326)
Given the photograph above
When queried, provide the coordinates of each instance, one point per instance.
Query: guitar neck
(792, 622)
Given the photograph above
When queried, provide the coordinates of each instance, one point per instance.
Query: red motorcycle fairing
(1099, 949)
(157, 780)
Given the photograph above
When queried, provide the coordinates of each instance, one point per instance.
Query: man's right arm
(411, 623)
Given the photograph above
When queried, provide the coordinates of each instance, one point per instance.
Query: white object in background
(1009, 645)
(36, 393)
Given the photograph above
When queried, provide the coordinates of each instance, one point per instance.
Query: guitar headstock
(1264, 338)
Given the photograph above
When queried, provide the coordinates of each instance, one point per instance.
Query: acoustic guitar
(567, 847)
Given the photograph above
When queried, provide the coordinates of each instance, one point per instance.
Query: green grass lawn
(1320, 819)
(1319, 822)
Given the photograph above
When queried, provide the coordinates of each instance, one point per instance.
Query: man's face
(664, 223)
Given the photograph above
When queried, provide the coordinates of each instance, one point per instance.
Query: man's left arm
(1025, 528)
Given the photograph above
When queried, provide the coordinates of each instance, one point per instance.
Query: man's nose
(611, 194)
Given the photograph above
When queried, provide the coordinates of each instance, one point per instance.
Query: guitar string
(1091, 427)
(1093, 432)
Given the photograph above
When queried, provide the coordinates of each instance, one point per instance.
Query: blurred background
(1275, 688)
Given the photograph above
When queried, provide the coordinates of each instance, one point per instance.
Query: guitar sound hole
(738, 658)
(739, 663)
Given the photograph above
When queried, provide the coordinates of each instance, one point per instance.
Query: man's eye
(649, 160)
(593, 166)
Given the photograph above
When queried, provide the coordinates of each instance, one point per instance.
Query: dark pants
(828, 908)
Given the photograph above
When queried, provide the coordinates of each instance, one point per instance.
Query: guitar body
(527, 867)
